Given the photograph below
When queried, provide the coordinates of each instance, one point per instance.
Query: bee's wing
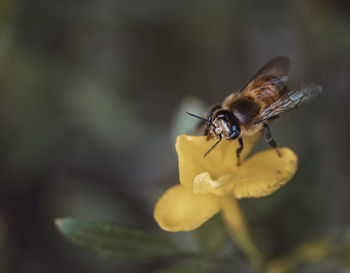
(277, 67)
(274, 72)
(300, 96)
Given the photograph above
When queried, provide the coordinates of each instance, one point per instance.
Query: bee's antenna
(206, 121)
(213, 146)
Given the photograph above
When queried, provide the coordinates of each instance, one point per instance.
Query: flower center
(204, 184)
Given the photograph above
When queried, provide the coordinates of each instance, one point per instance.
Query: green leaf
(186, 267)
(212, 236)
(344, 250)
(114, 240)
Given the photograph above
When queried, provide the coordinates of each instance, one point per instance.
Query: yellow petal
(265, 172)
(179, 209)
(220, 161)
(203, 184)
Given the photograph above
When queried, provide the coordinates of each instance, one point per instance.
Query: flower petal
(265, 172)
(220, 161)
(179, 209)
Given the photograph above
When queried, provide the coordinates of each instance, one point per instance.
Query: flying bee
(262, 100)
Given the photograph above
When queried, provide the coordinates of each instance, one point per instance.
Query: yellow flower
(210, 184)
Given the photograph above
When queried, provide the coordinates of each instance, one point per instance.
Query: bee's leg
(269, 139)
(239, 150)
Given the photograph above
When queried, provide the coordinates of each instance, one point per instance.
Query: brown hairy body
(248, 106)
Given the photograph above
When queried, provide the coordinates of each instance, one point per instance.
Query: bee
(262, 100)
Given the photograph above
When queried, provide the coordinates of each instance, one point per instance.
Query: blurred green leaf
(313, 251)
(344, 253)
(212, 236)
(187, 267)
(114, 240)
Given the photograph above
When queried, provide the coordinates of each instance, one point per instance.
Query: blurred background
(93, 94)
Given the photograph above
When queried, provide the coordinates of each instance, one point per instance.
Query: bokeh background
(93, 93)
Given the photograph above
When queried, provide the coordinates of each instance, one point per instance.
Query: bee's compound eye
(235, 131)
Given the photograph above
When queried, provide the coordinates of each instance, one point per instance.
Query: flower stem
(239, 232)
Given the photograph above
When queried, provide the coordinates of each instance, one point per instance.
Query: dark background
(90, 103)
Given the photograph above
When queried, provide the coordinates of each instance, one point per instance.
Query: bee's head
(219, 125)
(225, 124)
